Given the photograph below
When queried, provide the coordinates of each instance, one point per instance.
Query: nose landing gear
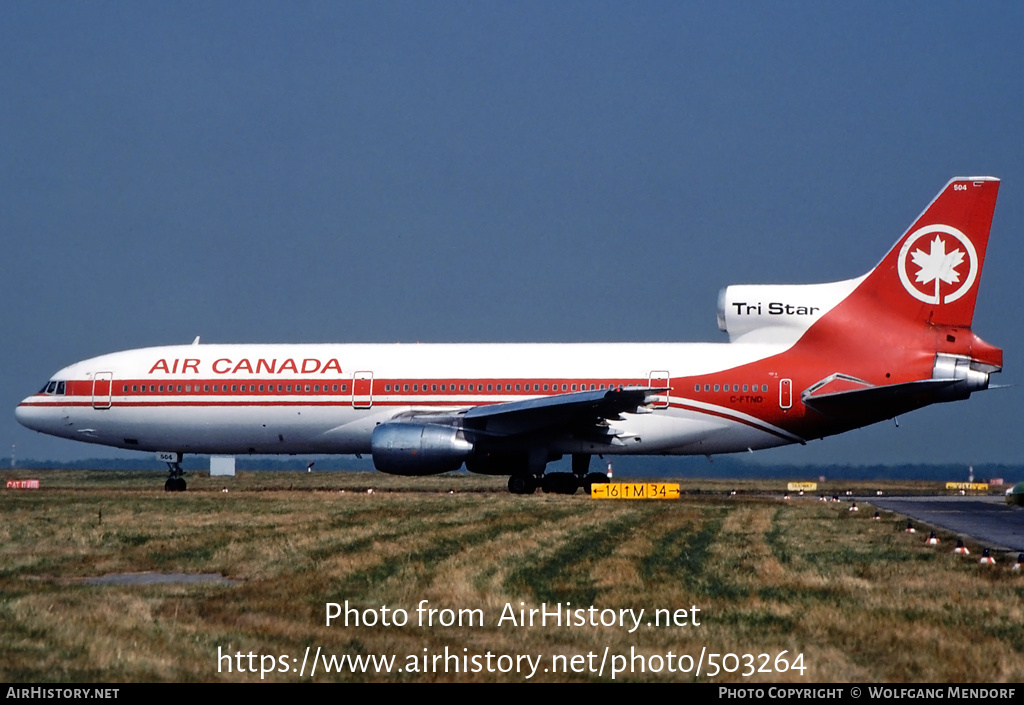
(175, 483)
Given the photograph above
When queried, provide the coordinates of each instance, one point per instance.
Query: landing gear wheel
(522, 484)
(560, 483)
(175, 483)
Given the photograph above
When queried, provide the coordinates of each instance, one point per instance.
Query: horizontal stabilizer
(882, 402)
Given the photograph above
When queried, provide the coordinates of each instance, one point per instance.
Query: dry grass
(861, 600)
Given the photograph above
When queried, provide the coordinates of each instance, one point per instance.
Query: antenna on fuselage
(196, 341)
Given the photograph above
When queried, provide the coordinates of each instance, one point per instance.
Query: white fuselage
(329, 398)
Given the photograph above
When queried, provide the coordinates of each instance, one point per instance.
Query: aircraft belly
(255, 429)
(687, 432)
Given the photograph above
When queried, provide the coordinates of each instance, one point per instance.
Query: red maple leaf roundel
(940, 261)
(936, 265)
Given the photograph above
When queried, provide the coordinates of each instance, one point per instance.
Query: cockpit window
(53, 387)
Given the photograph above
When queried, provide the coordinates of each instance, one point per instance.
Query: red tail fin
(932, 273)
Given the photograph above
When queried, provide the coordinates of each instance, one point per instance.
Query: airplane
(802, 362)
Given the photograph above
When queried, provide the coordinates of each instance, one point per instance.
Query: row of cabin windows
(491, 387)
(726, 387)
(58, 387)
(157, 388)
(235, 388)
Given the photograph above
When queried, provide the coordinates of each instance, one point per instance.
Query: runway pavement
(988, 520)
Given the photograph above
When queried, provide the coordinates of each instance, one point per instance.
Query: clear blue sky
(479, 171)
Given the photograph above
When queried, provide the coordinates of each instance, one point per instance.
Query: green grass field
(856, 599)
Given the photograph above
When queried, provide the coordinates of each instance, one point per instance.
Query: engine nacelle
(418, 449)
(962, 369)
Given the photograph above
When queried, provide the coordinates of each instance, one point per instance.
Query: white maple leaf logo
(937, 265)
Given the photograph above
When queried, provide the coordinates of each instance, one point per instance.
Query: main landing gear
(558, 482)
(175, 483)
(522, 484)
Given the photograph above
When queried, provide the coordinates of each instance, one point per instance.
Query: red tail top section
(932, 273)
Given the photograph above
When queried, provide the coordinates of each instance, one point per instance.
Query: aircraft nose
(30, 416)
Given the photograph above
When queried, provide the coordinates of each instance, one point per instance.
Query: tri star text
(774, 308)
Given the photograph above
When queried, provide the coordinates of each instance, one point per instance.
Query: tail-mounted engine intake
(964, 371)
(418, 449)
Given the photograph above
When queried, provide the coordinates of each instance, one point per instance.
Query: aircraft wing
(584, 413)
(575, 409)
